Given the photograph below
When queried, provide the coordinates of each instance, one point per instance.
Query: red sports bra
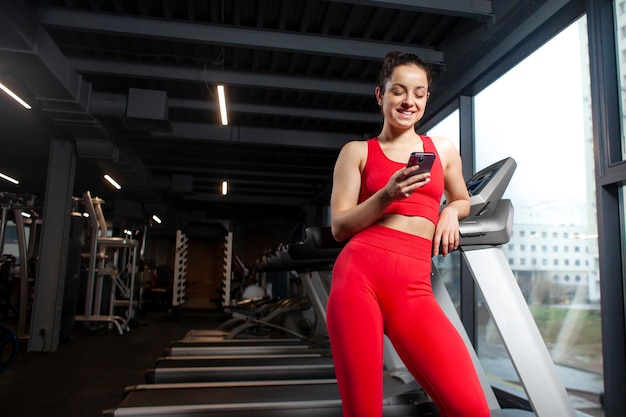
(424, 202)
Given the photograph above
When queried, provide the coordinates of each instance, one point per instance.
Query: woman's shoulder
(357, 147)
(354, 154)
(437, 139)
(442, 144)
(359, 142)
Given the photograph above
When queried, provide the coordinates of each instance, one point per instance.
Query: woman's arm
(347, 216)
(457, 199)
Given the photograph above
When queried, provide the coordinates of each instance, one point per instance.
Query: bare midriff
(414, 225)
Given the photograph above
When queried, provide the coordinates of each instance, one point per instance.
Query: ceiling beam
(114, 105)
(265, 136)
(203, 76)
(476, 9)
(271, 177)
(205, 33)
(309, 112)
(246, 199)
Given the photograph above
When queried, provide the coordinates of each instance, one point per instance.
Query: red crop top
(424, 202)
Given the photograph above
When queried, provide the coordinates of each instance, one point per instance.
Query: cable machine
(108, 256)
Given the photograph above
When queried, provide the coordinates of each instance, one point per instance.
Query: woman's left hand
(446, 237)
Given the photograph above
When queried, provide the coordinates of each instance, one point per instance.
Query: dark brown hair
(397, 58)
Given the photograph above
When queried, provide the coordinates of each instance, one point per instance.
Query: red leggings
(381, 285)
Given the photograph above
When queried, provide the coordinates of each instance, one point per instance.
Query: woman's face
(404, 99)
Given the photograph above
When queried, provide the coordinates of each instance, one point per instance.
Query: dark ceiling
(132, 84)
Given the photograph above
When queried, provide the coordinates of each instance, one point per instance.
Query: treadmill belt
(245, 361)
(239, 373)
(231, 395)
(299, 398)
(197, 350)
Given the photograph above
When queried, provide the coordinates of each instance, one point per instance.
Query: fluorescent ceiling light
(6, 177)
(156, 218)
(112, 181)
(26, 214)
(14, 96)
(224, 187)
(222, 100)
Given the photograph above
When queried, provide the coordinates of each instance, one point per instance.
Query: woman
(381, 279)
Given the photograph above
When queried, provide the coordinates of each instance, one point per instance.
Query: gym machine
(114, 254)
(22, 208)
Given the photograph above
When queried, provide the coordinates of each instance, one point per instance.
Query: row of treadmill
(216, 372)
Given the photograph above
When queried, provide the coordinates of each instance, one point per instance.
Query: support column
(467, 145)
(49, 285)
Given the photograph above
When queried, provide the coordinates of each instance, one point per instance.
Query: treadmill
(265, 368)
(482, 234)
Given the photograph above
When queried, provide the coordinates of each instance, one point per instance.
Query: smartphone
(424, 159)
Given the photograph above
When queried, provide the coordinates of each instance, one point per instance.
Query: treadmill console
(488, 185)
(490, 221)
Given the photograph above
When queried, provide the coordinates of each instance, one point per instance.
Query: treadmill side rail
(518, 329)
(444, 300)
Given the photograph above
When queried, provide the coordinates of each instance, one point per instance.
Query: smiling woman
(381, 279)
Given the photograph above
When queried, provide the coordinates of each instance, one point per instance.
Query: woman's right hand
(402, 184)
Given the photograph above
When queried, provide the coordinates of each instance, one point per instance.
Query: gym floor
(88, 374)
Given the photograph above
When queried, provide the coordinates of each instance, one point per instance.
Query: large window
(539, 113)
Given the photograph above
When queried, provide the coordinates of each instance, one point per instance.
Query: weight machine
(112, 258)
